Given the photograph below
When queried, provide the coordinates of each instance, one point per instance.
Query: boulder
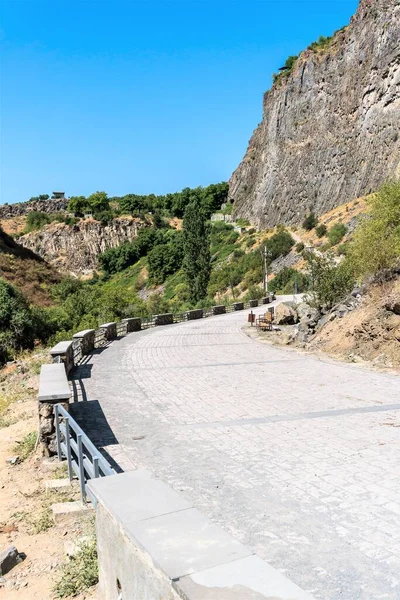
(9, 558)
(285, 314)
(392, 304)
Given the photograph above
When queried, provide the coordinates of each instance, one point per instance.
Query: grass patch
(80, 573)
(61, 472)
(43, 522)
(26, 446)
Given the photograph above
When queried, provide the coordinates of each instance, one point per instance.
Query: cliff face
(75, 248)
(9, 211)
(331, 129)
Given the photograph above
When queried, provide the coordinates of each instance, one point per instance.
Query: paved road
(296, 457)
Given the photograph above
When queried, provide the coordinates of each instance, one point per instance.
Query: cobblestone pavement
(297, 457)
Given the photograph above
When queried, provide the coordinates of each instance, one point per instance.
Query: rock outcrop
(331, 128)
(75, 248)
(19, 209)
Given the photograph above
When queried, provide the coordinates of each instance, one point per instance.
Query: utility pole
(265, 254)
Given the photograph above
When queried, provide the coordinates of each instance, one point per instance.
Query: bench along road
(296, 457)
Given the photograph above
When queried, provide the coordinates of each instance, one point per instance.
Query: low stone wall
(253, 303)
(219, 310)
(195, 314)
(110, 330)
(132, 324)
(86, 338)
(238, 306)
(153, 544)
(166, 319)
(53, 389)
(64, 351)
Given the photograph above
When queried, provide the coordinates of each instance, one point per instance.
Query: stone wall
(195, 314)
(166, 319)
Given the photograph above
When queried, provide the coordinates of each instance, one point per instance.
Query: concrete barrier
(166, 319)
(86, 338)
(238, 306)
(153, 544)
(265, 300)
(65, 351)
(132, 324)
(110, 330)
(195, 314)
(219, 310)
(53, 388)
(253, 303)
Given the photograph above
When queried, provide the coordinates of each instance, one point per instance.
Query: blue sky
(140, 96)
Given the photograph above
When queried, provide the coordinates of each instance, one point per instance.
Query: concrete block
(60, 485)
(136, 495)
(219, 310)
(195, 314)
(63, 512)
(184, 542)
(238, 306)
(248, 578)
(53, 384)
(253, 303)
(132, 324)
(166, 319)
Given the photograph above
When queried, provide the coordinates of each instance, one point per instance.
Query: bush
(299, 247)
(376, 241)
(17, 324)
(310, 222)
(279, 244)
(336, 233)
(321, 230)
(330, 282)
(289, 280)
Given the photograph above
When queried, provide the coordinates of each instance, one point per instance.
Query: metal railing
(83, 458)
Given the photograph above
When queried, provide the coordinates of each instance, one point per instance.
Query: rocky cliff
(75, 248)
(52, 205)
(331, 125)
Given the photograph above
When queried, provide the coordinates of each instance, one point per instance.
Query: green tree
(376, 241)
(98, 202)
(321, 230)
(310, 222)
(196, 245)
(17, 326)
(78, 205)
(330, 282)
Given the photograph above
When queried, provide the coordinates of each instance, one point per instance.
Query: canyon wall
(330, 130)
(75, 248)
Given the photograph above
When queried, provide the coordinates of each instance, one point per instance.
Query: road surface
(297, 457)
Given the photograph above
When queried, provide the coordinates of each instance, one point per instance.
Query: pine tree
(196, 244)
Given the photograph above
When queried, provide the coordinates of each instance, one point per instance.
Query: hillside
(330, 126)
(27, 271)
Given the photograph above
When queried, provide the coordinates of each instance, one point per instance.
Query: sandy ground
(25, 505)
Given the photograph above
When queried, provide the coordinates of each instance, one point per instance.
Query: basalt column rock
(330, 130)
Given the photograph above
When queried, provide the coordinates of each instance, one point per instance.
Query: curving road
(296, 457)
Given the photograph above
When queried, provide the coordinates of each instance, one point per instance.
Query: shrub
(279, 244)
(310, 222)
(17, 324)
(321, 230)
(299, 247)
(288, 280)
(336, 233)
(376, 241)
(330, 283)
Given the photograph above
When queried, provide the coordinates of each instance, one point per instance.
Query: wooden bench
(265, 322)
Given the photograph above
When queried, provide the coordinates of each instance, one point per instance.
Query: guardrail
(83, 458)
